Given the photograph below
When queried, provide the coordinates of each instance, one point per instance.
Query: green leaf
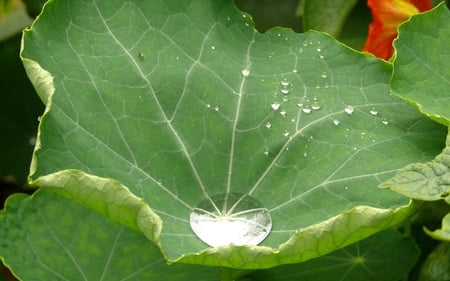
(49, 237)
(421, 74)
(164, 103)
(428, 181)
(385, 256)
(328, 16)
(437, 264)
(443, 233)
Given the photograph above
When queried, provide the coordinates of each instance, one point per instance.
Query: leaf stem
(226, 274)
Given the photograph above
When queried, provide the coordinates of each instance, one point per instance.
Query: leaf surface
(50, 237)
(165, 104)
(421, 75)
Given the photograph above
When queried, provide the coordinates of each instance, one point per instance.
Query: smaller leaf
(421, 75)
(49, 237)
(384, 256)
(428, 182)
(443, 233)
(437, 264)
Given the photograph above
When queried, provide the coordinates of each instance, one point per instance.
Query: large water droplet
(245, 72)
(232, 218)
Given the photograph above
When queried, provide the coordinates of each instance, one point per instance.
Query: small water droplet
(275, 105)
(305, 154)
(295, 70)
(216, 108)
(300, 50)
(300, 104)
(230, 218)
(385, 122)
(228, 18)
(283, 113)
(284, 91)
(321, 56)
(213, 47)
(284, 83)
(306, 110)
(285, 99)
(336, 122)
(141, 55)
(268, 125)
(286, 133)
(39, 118)
(208, 105)
(305, 43)
(177, 58)
(319, 50)
(348, 109)
(324, 75)
(373, 112)
(315, 106)
(245, 72)
(266, 151)
(293, 120)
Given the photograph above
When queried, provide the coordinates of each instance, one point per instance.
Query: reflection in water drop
(232, 218)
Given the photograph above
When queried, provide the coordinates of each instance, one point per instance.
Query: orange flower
(388, 15)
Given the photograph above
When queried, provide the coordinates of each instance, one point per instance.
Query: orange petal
(388, 15)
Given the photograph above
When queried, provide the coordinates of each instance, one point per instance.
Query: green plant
(153, 107)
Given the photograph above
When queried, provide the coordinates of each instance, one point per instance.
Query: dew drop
(231, 218)
(275, 105)
(284, 83)
(315, 106)
(319, 50)
(373, 112)
(348, 109)
(245, 72)
(208, 105)
(216, 108)
(213, 47)
(385, 122)
(336, 122)
(266, 151)
(306, 110)
(324, 75)
(286, 133)
(295, 70)
(300, 104)
(268, 125)
(284, 91)
(283, 113)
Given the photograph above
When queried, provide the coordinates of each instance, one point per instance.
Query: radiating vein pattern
(183, 100)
